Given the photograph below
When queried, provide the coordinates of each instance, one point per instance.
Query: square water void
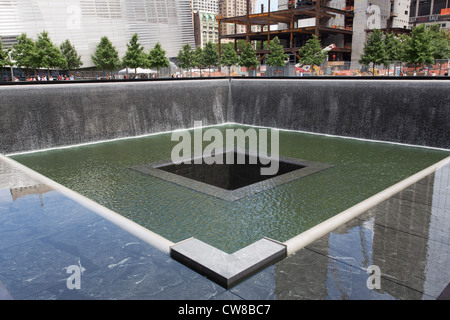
(231, 180)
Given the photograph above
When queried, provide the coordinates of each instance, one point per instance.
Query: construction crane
(308, 67)
(330, 47)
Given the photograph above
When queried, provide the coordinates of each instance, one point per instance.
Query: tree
(229, 56)
(403, 40)
(312, 53)
(441, 43)
(48, 54)
(157, 57)
(24, 53)
(248, 57)
(70, 55)
(420, 48)
(393, 49)
(240, 45)
(374, 50)
(185, 57)
(106, 56)
(4, 57)
(198, 60)
(276, 56)
(440, 39)
(135, 56)
(210, 56)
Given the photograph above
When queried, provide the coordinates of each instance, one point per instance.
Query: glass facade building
(84, 22)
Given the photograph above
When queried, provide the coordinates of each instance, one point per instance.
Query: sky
(273, 5)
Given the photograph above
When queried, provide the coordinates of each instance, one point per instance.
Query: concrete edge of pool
(225, 269)
(300, 241)
(244, 263)
(140, 232)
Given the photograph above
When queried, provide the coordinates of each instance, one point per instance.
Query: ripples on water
(101, 172)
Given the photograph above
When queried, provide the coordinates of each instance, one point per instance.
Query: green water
(101, 172)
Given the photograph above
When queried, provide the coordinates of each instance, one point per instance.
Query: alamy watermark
(73, 21)
(374, 280)
(74, 280)
(255, 140)
(374, 19)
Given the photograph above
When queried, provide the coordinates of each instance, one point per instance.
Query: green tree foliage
(24, 53)
(403, 45)
(312, 53)
(157, 58)
(393, 47)
(47, 53)
(198, 60)
(241, 44)
(248, 57)
(185, 57)
(374, 50)
(210, 56)
(72, 60)
(440, 39)
(420, 48)
(441, 43)
(4, 57)
(134, 56)
(276, 57)
(106, 56)
(229, 56)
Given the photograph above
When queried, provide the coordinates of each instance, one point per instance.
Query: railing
(328, 68)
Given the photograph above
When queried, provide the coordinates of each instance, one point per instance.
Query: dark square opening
(229, 176)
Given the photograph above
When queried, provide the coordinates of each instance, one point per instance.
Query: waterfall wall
(406, 111)
(36, 117)
(44, 116)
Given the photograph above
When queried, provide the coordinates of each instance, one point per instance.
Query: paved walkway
(45, 236)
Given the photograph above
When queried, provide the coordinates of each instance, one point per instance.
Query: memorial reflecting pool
(358, 169)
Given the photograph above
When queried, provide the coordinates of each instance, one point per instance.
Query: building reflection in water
(406, 236)
(19, 184)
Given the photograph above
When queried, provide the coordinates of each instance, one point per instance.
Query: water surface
(101, 172)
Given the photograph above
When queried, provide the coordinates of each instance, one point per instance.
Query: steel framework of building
(301, 10)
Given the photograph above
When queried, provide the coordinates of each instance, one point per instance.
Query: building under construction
(338, 24)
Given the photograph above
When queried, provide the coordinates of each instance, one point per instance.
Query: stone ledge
(227, 269)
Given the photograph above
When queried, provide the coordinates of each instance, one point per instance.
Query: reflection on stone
(39, 189)
(406, 236)
(12, 178)
(19, 184)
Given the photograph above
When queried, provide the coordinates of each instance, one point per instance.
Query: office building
(205, 28)
(429, 12)
(84, 22)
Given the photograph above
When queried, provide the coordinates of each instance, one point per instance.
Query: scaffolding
(294, 26)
